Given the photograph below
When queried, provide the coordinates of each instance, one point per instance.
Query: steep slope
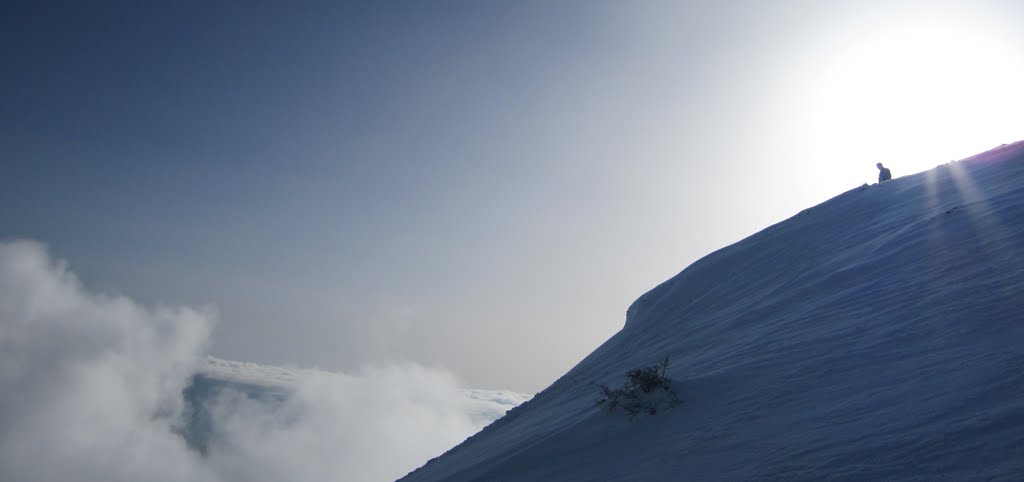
(878, 335)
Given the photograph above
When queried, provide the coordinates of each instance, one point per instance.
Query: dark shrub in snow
(646, 390)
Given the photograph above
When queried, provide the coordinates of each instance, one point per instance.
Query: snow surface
(876, 336)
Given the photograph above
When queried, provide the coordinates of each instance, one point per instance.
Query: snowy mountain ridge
(877, 335)
(250, 373)
(288, 378)
(269, 387)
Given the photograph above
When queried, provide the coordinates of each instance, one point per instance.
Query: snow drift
(879, 335)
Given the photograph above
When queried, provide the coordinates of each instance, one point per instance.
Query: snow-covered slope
(879, 335)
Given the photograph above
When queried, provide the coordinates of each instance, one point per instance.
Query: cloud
(91, 388)
(89, 381)
(316, 425)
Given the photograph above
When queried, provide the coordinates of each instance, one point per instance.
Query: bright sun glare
(915, 93)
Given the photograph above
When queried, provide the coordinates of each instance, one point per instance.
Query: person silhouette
(883, 173)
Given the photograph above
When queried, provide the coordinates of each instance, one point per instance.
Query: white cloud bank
(91, 390)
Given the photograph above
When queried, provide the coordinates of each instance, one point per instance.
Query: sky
(483, 187)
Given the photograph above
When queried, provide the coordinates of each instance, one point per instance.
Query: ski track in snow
(876, 336)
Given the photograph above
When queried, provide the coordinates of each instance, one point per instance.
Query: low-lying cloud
(91, 389)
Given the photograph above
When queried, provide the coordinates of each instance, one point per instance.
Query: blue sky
(480, 186)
